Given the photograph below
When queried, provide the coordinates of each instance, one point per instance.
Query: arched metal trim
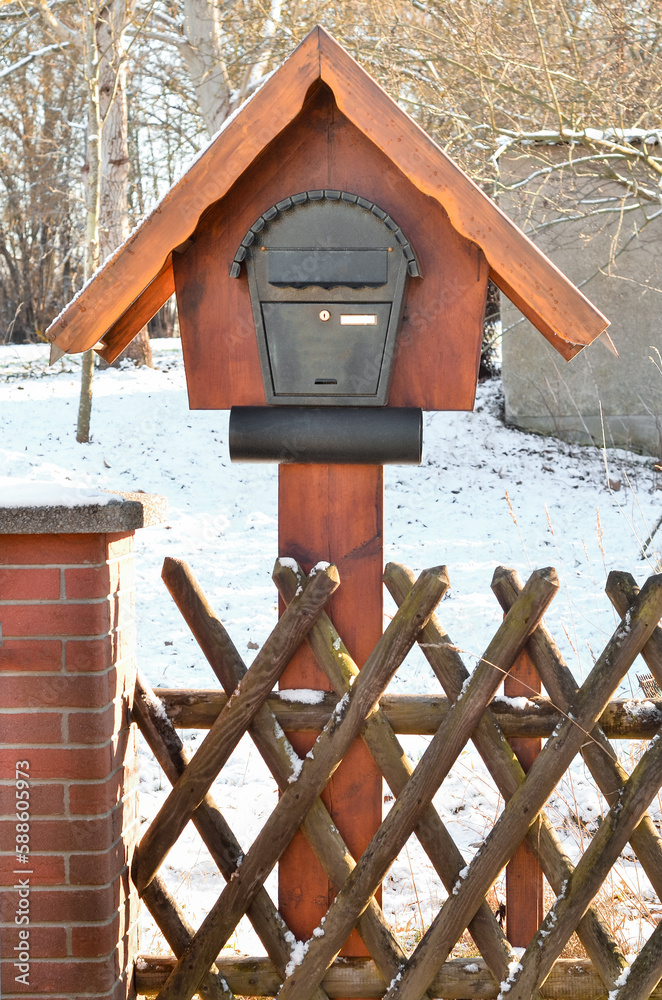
(318, 195)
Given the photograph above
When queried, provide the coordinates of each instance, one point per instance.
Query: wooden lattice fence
(358, 707)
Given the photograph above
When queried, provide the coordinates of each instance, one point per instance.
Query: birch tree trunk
(107, 169)
(91, 171)
(203, 54)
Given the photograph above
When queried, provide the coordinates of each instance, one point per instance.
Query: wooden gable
(439, 341)
(321, 121)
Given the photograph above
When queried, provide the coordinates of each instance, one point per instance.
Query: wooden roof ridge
(137, 279)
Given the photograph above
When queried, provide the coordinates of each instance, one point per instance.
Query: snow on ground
(485, 495)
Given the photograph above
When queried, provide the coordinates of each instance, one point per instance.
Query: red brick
(31, 654)
(122, 990)
(86, 655)
(42, 996)
(64, 906)
(94, 727)
(96, 797)
(98, 868)
(122, 608)
(91, 977)
(57, 690)
(119, 544)
(89, 654)
(78, 764)
(45, 942)
(89, 834)
(55, 619)
(122, 574)
(45, 799)
(47, 869)
(96, 940)
(46, 550)
(29, 584)
(30, 728)
(87, 582)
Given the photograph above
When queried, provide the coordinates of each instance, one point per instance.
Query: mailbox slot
(328, 268)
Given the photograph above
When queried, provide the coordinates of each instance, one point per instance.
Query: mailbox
(326, 274)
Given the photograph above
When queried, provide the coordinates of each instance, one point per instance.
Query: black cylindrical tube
(348, 434)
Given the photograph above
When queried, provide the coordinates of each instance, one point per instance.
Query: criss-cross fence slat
(333, 657)
(435, 764)
(279, 756)
(232, 723)
(607, 843)
(298, 797)
(619, 654)
(601, 760)
(217, 835)
(355, 710)
(459, 978)
(506, 770)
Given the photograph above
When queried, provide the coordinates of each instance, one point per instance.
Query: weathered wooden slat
(508, 774)
(224, 735)
(524, 881)
(601, 760)
(178, 933)
(430, 772)
(418, 714)
(299, 796)
(210, 823)
(279, 756)
(621, 589)
(645, 972)
(607, 843)
(333, 656)
(570, 979)
(529, 799)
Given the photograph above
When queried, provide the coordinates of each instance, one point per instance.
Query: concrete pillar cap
(36, 508)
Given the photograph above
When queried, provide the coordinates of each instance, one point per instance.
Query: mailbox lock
(325, 315)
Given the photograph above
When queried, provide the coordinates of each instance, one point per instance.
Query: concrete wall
(618, 256)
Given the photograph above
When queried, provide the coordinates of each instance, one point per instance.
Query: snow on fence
(575, 720)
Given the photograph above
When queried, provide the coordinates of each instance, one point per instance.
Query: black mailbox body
(327, 273)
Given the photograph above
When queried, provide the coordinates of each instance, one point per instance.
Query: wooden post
(334, 513)
(524, 892)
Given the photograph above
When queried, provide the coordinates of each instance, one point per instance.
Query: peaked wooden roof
(138, 278)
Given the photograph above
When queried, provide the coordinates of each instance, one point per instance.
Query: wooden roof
(138, 278)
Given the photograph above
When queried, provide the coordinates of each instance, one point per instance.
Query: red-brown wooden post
(334, 513)
(524, 885)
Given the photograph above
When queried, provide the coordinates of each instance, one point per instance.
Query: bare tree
(92, 35)
(39, 258)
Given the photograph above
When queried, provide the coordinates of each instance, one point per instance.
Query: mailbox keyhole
(325, 315)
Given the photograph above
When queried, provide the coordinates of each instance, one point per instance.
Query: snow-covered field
(485, 495)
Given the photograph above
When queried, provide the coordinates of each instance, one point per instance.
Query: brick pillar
(67, 672)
